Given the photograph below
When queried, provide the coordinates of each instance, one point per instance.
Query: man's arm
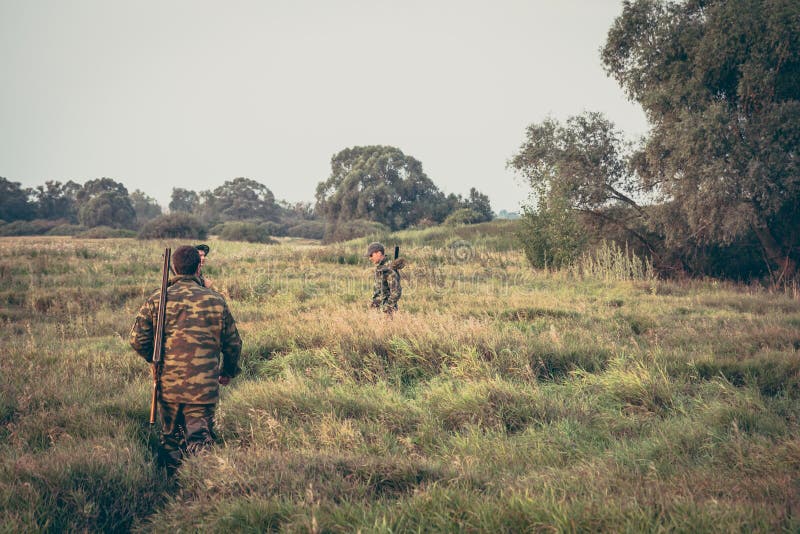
(141, 336)
(231, 344)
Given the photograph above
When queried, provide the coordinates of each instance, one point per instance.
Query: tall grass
(499, 399)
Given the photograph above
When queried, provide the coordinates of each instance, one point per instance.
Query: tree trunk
(787, 267)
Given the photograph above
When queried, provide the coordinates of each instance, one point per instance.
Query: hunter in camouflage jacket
(198, 328)
(387, 284)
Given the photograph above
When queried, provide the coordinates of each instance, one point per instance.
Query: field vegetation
(499, 399)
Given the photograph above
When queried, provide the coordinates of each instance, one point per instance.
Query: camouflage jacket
(387, 284)
(198, 328)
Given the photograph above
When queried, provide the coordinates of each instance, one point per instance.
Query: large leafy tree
(240, 199)
(582, 166)
(381, 184)
(105, 202)
(719, 81)
(183, 200)
(145, 206)
(56, 200)
(14, 204)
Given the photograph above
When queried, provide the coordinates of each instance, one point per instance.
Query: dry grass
(499, 399)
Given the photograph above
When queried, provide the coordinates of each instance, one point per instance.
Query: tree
(55, 200)
(479, 203)
(720, 84)
(105, 202)
(239, 199)
(14, 204)
(381, 184)
(183, 200)
(145, 206)
(582, 166)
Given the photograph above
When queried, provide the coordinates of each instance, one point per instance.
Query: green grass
(500, 399)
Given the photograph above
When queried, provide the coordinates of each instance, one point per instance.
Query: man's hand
(208, 283)
(224, 380)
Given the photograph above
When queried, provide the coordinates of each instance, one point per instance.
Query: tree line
(370, 189)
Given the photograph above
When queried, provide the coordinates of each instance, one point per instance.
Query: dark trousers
(185, 429)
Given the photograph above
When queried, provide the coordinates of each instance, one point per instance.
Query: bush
(105, 232)
(34, 227)
(182, 225)
(357, 228)
(308, 230)
(273, 228)
(67, 229)
(462, 216)
(552, 237)
(246, 231)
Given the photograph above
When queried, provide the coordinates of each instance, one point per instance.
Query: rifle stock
(158, 337)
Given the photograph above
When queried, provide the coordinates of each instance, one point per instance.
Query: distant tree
(381, 184)
(240, 199)
(184, 200)
(14, 204)
(56, 200)
(145, 206)
(105, 202)
(93, 188)
(479, 203)
(719, 81)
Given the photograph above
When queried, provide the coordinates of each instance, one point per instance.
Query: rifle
(396, 251)
(158, 338)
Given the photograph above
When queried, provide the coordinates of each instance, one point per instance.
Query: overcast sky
(191, 93)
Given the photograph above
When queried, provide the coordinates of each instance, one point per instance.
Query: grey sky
(190, 93)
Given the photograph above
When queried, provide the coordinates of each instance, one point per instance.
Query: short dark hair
(185, 260)
(204, 248)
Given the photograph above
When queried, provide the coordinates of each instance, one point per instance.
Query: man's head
(186, 260)
(375, 252)
(203, 250)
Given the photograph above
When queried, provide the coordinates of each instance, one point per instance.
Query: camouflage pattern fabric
(198, 328)
(185, 429)
(387, 285)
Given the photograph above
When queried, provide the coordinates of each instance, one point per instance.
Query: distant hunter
(387, 279)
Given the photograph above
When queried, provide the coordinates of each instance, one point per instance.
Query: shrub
(178, 224)
(308, 230)
(105, 232)
(246, 231)
(67, 229)
(347, 230)
(273, 228)
(462, 216)
(551, 237)
(34, 227)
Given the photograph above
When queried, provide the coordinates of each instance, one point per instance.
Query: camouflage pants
(185, 429)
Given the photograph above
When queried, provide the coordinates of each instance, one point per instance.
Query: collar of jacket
(184, 278)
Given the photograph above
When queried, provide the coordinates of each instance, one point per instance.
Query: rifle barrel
(158, 337)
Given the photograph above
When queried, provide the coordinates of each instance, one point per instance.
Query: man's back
(198, 327)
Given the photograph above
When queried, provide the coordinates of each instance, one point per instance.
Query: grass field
(500, 399)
